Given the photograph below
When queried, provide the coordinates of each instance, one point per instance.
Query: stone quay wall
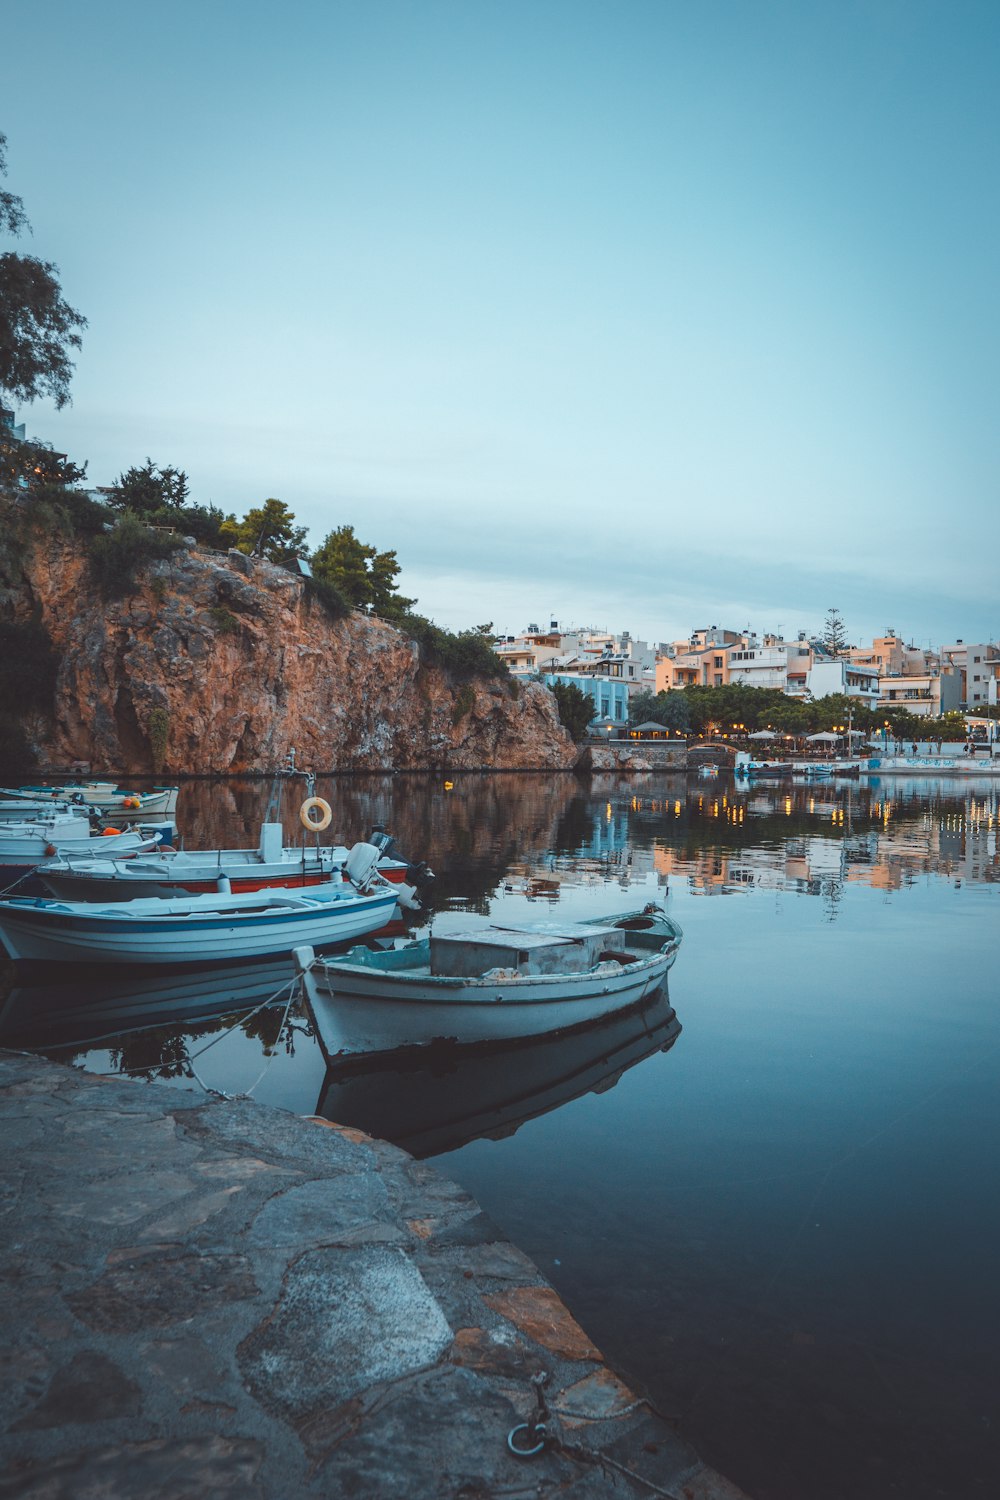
(211, 1297)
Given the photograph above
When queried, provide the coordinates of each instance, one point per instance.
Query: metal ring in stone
(526, 1452)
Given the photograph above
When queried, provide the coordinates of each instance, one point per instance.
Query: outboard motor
(419, 875)
(384, 842)
(361, 865)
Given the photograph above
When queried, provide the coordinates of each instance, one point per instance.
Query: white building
(826, 678)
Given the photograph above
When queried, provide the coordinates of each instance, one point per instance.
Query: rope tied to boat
(291, 985)
(541, 1433)
(15, 883)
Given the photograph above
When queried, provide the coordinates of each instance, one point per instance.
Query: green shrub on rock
(118, 557)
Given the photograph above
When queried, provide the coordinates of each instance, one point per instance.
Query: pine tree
(834, 633)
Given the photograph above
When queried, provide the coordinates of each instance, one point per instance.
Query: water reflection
(460, 1095)
(45, 1007)
(785, 1229)
(538, 832)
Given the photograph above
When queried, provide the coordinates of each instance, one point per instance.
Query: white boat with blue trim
(487, 984)
(201, 929)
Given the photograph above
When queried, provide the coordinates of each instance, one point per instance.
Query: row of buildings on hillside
(888, 673)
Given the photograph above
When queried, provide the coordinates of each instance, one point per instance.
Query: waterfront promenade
(210, 1297)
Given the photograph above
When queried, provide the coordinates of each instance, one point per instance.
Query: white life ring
(325, 814)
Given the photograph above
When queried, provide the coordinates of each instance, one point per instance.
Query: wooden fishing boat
(488, 984)
(201, 929)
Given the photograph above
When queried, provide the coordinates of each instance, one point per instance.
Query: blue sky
(650, 315)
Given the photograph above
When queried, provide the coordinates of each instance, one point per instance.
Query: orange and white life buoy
(316, 804)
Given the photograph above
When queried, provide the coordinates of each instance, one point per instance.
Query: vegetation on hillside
(463, 653)
(119, 557)
(576, 708)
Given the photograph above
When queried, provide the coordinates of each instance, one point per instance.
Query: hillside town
(884, 675)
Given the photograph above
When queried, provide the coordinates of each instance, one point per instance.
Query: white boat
(489, 984)
(201, 929)
(15, 809)
(172, 872)
(109, 798)
(25, 845)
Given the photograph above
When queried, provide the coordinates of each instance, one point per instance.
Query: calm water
(781, 1219)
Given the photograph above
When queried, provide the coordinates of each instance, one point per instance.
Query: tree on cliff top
(147, 488)
(363, 575)
(267, 530)
(38, 327)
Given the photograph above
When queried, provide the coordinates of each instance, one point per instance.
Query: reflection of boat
(487, 984)
(201, 929)
(44, 1009)
(437, 1102)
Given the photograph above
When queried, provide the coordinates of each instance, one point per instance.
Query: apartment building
(838, 675)
(774, 663)
(978, 666)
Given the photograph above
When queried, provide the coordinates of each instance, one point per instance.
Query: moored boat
(173, 872)
(488, 984)
(747, 768)
(24, 845)
(108, 797)
(201, 929)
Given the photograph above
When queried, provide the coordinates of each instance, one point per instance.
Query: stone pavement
(206, 1297)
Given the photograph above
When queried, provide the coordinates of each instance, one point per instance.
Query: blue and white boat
(201, 929)
(487, 984)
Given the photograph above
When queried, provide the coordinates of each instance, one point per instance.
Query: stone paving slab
(210, 1297)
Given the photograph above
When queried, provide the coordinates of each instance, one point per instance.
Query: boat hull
(53, 932)
(360, 1012)
(199, 873)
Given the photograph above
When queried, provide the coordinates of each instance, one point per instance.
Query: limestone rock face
(224, 665)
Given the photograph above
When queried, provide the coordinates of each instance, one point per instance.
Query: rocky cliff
(220, 664)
